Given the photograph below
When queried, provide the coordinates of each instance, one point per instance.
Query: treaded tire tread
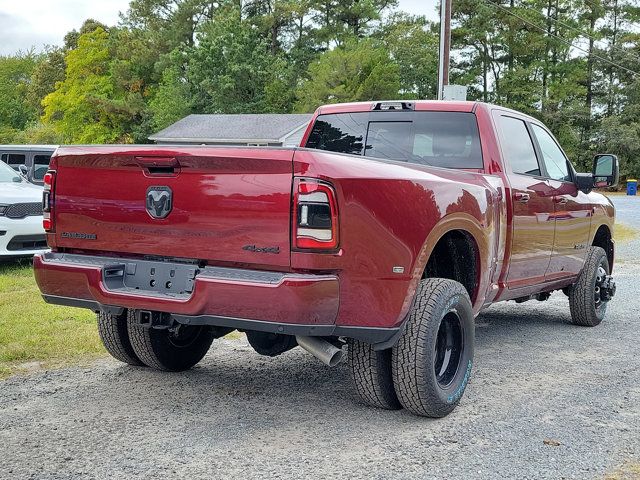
(115, 338)
(371, 374)
(410, 368)
(141, 342)
(581, 293)
(149, 346)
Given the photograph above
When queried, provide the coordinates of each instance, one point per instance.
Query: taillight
(47, 200)
(315, 215)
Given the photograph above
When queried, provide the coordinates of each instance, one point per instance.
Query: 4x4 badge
(159, 201)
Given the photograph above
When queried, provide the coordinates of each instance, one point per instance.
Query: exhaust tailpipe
(321, 349)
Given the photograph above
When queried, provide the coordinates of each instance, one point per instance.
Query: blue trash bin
(632, 186)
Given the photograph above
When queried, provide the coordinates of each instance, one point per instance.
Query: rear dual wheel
(371, 374)
(428, 369)
(114, 333)
(173, 349)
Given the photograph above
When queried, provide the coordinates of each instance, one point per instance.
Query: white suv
(21, 232)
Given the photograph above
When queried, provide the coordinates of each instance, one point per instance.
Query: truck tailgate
(207, 203)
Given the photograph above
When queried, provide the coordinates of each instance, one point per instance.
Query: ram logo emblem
(159, 201)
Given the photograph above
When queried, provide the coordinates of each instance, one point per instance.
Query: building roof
(241, 128)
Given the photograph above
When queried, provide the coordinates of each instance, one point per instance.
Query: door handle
(521, 197)
(560, 200)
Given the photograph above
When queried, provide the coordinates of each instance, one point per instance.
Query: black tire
(171, 350)
(432, 361)
(586, 308)
(115, 338)
(371, 375)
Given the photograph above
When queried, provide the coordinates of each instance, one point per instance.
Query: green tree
(172, 23)
(356, 72)
(38, 133)
(414, 48)
(231, 66)
(273, 18)
(15, 75)
(77, 107)
(342, 20)
(134, 74)
(173, 99)
(355, 17)
(88, 26)
(48, 71)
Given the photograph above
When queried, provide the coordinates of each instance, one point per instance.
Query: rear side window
(442, 139)
(517, 147)
(343, 132)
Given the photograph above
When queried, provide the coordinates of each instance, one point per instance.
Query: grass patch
(235, 335)
(34, 334)
(624, 233)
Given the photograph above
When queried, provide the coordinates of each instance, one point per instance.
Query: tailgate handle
(159, 166)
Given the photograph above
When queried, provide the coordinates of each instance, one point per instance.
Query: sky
(26, 24)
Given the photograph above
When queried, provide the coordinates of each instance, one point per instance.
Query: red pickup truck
(390, 228)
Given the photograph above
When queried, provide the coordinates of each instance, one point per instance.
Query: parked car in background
(21, 232)
(35, 159)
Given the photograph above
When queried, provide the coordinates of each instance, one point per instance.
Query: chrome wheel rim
(601, 276)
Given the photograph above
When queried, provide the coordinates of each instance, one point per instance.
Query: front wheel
(588, 297)
(431, 363)
(172, 349)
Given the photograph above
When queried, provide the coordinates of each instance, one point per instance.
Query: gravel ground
(547, 400)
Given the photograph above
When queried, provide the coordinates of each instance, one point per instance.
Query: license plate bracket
(144, 276)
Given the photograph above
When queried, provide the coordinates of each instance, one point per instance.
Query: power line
(582, 34)
(566, 42)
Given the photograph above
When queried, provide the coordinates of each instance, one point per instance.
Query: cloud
(17, 34)
(35, 23)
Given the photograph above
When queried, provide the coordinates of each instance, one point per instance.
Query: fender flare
(461, 222)
(611, 247)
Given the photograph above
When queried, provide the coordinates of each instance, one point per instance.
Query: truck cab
(553, 218)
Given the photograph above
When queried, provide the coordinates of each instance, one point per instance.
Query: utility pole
(445, 46)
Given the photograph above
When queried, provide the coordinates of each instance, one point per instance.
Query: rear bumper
(236, 293)
(286, 303)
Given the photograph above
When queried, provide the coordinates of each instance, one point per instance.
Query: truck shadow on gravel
(509, 319)
(234, 377)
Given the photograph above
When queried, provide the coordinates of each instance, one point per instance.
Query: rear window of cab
(441, 139)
